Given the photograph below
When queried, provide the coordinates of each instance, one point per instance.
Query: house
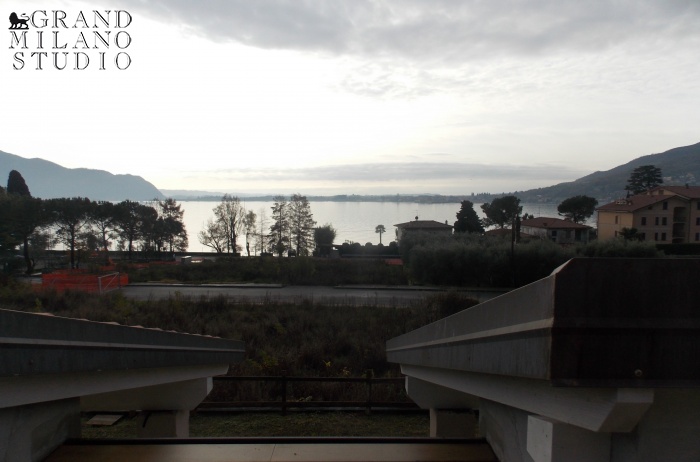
(427, 226)
(665, 214)
(556, 230)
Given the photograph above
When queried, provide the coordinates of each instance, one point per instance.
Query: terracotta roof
(423, 224)
(690, 192)
(552, 223)
(633, 203)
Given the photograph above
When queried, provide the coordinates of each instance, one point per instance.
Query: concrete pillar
(453, 423)
(164, 424)
(552, 441)
(32, 432)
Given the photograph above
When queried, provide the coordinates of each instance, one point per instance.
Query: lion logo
(17, 22)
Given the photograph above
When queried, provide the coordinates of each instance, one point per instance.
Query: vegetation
(578, 208)
(380, 229)
(338, 340)
(644, 178)
(502, 211)
(81, 224)
(301, 225)
(251, 424)
(467, 219)
(298, 271)
(324, 236)
(475, 260)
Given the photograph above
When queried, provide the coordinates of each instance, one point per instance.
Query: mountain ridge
(49, 180)
(46, 179)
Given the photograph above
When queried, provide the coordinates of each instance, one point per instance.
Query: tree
(301, 223)
(213, 236)
(102, 219)
(278, 239)
(502, 211)
(324, 237)
(467, 219)
(22, 216)
(70, 216)
(578, 208)
(133, 222)
(644, 178)
(230, 216)
(171, 228)
(249, 224)
(17, 185)
(380, 229)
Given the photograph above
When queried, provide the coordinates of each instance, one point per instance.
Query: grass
(252, 424)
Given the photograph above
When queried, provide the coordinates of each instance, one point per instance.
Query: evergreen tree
(17, 185)
(278, 239)
(467, 219)
(70, 218)
(301, 222)
(644, 178)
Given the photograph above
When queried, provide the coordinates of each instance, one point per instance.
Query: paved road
(346, 295)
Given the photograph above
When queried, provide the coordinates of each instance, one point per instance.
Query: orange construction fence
(83, 281)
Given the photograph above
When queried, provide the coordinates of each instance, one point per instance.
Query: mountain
(48, 180)
(679, 166)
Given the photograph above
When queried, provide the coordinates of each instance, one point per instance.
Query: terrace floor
(282, 450)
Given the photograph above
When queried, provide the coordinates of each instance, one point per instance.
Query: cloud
(434, 31)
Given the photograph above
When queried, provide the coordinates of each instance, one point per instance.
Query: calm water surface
(353, 221)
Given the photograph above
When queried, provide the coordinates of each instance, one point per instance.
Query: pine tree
(467, 219)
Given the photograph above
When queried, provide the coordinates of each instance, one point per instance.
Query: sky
(353, 96)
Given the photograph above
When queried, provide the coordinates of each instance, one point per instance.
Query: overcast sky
(352, 96)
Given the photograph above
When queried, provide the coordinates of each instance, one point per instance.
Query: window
(663, 236)
(665, 206)
(656, 221)
(663, 221)
(616, 218)
(697, 237)
(697, 205)
(656, 236)
(697, 221)
(644, 221)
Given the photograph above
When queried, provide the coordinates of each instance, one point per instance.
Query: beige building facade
(666, 214)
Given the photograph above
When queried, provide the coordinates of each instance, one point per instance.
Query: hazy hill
(48, 180)
(679, 166)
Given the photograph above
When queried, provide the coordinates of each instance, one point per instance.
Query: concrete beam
(552, 441)
(595, 409)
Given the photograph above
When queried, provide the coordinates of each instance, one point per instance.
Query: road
(259, 293)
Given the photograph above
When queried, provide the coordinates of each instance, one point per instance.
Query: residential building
(665, 214)
(428, 226)
(556, 230)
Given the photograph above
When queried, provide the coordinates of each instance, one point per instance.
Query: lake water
(353, 221)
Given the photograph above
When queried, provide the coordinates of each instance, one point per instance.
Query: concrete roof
(33, 344)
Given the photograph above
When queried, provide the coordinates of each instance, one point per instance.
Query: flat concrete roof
(615, 322)
(34, 344)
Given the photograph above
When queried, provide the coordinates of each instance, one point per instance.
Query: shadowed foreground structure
(598, 362)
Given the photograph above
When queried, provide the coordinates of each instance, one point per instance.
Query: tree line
(289, 229)
(80, 224)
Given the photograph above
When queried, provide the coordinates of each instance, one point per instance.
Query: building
(427, 226)
(556, 230)
(665, 214)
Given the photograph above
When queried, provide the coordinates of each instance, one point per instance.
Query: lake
(353, 221)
